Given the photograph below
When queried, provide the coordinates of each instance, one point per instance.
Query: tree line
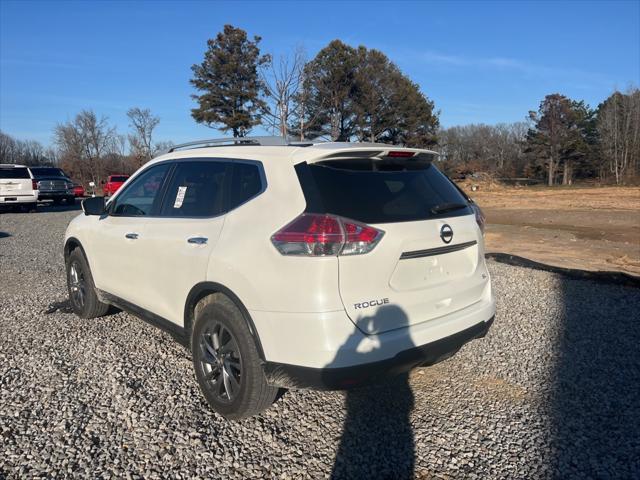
(347, 93)
(564, 140)
(88, 148)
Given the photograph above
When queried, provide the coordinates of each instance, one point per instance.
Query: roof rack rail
(220, 142)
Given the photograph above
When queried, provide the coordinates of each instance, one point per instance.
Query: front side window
(138, 198)
(196, 189)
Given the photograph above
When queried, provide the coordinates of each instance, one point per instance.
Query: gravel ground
(552, 392)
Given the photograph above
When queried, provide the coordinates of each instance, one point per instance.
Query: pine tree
(228, 77)
(360, 93)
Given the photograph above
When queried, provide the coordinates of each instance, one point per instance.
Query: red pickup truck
(114, 182)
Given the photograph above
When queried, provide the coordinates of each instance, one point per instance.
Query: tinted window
(139, 197)
(14, 172)
(196, 189)
(391, 194)
(246, 183)
(121, 178)
(47, 172)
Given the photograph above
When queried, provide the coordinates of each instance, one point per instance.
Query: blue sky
(486, 62)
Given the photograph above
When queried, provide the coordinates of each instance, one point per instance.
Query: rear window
(380, 192)
(13, 172)
(119, 179)
(47, 172)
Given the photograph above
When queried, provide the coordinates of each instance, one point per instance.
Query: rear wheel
(227, 364)
(82, 291)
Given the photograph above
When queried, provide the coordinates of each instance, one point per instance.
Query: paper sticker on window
(180, 197)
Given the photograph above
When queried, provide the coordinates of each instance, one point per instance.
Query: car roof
(294, 152)
(7, 165)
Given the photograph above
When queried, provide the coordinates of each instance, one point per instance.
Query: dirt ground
(589, 228)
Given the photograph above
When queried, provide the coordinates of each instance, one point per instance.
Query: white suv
(17, 186)
(288, 265)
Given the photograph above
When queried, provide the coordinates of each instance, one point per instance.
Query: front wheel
(226, 361)
(82, 291)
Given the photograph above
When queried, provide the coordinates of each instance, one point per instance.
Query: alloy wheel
(221, 362)
(77, 284)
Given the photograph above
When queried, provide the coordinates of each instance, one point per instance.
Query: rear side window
(14, 172)
(196, 189)
(121, 179)
(246, 183)
(383, 194)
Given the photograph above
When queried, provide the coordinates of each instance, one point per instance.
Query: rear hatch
(427, 263)
(15, 181)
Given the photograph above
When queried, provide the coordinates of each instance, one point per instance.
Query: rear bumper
(357, 375)
(15, 199)
(327, 351)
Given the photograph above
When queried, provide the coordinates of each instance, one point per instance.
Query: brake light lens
(34, 184)
(400, 154)
(319, 235)
(480, 218)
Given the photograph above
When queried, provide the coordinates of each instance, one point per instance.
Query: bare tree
(7, 148)
(619, 131)
(27, 152)
(496, 149)
(282, 81)
(141, 140)
(84, 142)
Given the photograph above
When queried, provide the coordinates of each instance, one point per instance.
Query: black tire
(82, 291)
(236, 358)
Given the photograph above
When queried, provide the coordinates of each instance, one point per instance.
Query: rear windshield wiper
(447, 207)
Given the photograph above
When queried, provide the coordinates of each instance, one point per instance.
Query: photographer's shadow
(377, 437)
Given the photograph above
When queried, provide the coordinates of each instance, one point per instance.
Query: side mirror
(94, 206)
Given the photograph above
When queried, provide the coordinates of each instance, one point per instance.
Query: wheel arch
(202, 290)
(70, 245)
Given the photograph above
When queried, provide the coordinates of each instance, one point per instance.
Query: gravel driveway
(552, 391)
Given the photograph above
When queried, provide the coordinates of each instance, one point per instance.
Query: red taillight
(400, 154)
(315, 235)
(34, 184)
(480, 218)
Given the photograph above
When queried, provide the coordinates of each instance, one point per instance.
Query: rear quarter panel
(246, 261)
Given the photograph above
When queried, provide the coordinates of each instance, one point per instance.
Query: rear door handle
(131, 236)
(197, 240)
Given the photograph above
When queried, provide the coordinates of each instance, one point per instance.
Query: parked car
(325, 265)
(114, 182)
(17, 187)
(53, 184)
(78, 190)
